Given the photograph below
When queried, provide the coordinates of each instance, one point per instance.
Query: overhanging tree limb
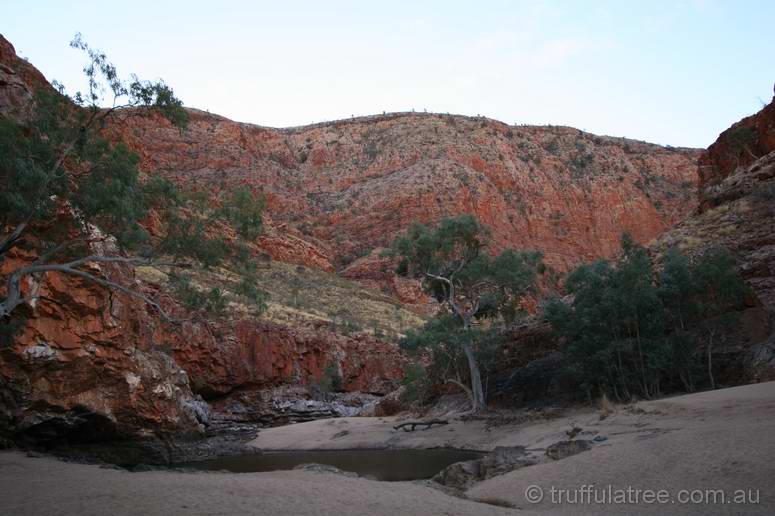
(14, 297)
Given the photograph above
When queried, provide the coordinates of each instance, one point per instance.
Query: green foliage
(452, 252)
(244, 210)
(58, 160)
(26, 160)
(161, 192)
(625, 333)
(187, 237)
(417, 384)
(247, 288)
(243, 257)
(109, 196)
(211, 302)
(471, 285)
(101, 182)
(331, 381)
(442, 339)
(441, 249)
(103, 79)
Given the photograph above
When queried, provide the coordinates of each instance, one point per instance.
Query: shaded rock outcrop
(502, 460)
(741, 221)
(736, 148)
(77, 369)
(737, 213)
(563, 449)
(290, 404)
(259, 354)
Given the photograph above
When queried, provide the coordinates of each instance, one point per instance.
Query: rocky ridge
(337, 191)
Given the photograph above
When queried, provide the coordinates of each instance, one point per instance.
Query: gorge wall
(737, 212)
(336, 193)
(347, 187)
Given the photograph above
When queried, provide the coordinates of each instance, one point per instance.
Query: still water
(389, 465)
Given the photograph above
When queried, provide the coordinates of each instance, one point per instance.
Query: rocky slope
(741, 145)
(85, 359)
(737, 212)
(341, 189)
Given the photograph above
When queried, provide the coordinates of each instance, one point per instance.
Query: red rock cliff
(737, 147)
(347, 187)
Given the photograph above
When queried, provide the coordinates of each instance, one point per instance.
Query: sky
(670, 72)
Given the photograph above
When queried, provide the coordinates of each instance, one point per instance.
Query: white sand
(42, 487)
(720, 440)
(716, 440)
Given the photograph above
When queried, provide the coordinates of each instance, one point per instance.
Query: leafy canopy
(626, 333)
(56, 161)
(471, 285)
(450, 261)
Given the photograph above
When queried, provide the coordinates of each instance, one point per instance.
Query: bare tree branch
(11, 239)
(14, 298)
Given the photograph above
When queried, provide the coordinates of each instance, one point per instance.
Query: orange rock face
(18, 80)
(91, 362)
(257, 355)
(349, 186)
(80, 365)
(737, 193)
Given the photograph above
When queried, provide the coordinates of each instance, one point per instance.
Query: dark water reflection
(390, 465)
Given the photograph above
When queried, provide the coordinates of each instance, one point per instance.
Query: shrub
(211, 302)
(416, 383)
(625, 333)
(331, 381)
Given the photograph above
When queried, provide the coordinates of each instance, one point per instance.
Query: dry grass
(302, 294)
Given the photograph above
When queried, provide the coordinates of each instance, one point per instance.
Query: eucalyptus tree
(474, 288)
(56, 161)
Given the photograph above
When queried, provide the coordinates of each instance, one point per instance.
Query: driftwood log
(410, 426)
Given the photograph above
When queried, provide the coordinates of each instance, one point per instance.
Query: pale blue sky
(670, 72)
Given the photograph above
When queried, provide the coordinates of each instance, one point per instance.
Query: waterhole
(388, 465)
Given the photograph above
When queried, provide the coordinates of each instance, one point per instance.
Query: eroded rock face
(86, 363)
(289, 404)
(18, 81)
(741, 221)
(736, 148)
(350, 186)
(257, 354)
(78, 369)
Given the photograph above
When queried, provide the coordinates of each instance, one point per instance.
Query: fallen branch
(414, 424)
